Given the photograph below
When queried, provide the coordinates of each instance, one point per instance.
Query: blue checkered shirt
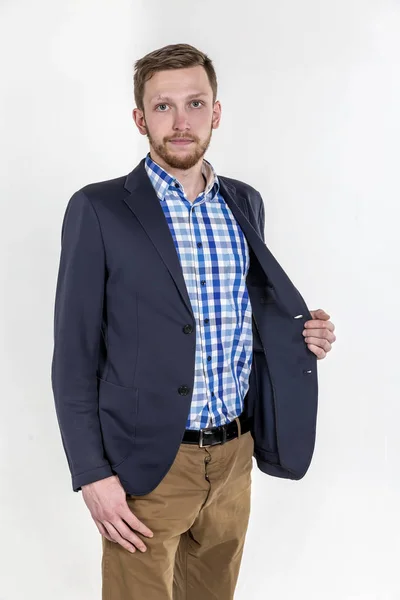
(214, 256)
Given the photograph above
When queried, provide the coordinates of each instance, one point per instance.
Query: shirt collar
(163, 181)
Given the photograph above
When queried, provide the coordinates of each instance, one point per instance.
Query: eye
(199, 102)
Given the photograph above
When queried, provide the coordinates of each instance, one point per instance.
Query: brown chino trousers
(199, 515)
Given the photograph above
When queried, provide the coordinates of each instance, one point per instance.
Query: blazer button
(188, 329)
(183, 390)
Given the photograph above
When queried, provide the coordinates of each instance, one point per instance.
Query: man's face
(178, 106)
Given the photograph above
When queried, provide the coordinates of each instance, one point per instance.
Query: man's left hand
(318, 333)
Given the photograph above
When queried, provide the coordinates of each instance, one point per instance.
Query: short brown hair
(174, 56)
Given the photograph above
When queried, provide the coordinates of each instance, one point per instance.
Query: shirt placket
(195, 239)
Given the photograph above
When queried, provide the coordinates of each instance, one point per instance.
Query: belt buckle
(201, 445)
(202, 431)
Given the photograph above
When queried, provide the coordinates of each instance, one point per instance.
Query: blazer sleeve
(77, 329)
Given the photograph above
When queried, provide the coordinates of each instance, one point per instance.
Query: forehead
(177, 84)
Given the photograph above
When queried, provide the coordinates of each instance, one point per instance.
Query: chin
(182, 160)
(184, 163)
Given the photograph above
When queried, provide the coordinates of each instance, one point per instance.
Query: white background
(310, 95)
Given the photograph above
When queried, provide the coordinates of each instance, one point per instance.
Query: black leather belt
(217, 435)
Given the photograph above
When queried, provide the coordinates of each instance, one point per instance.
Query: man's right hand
(106, 500)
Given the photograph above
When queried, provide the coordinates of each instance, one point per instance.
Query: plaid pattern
(214, 256)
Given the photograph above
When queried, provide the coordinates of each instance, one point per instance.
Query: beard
(180, 160)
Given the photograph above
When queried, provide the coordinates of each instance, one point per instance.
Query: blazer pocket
(118, 409)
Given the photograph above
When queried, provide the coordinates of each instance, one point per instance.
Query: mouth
(181, 142)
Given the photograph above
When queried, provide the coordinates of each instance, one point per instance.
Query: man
(182, 349)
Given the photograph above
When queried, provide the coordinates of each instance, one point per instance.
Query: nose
(181, 121)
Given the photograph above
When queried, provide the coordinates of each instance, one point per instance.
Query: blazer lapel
(277, 281)
(144, 203)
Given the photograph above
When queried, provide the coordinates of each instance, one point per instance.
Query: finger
(321, 343)
(103, 531)
(127, 533)
(116, 537)
(316, 348)
(127, 515)
(320, 333)
(320, 314)
(317, 324)
(317, 351)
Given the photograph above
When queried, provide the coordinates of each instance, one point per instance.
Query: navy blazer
(123, 362)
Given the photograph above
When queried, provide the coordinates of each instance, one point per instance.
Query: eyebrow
(168, 99)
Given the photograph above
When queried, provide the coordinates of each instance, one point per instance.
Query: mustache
(182, 137)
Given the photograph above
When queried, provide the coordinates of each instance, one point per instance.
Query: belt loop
(238, 426)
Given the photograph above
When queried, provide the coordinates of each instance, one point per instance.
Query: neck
(192, 180)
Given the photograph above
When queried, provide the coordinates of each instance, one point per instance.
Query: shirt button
(203, 282)
(199, 244)
(206, 320)
(176, 184)
(208, 357)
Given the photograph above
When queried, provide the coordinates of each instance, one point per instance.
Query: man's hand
(319, 334)
(106, 500)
